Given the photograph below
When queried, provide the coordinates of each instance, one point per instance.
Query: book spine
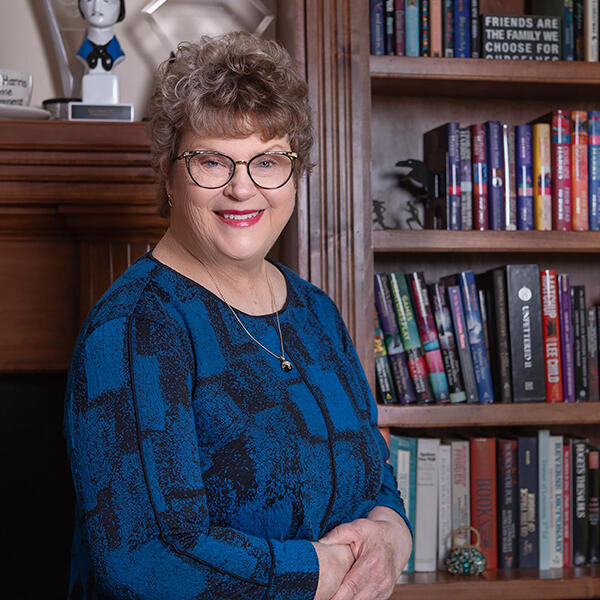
(507, 503)
(448, 25)
(580, 343)
(462, 342)
(410, 337)
(377, 22)
(385, 389)
(443, 323)
(567, 341)
(466, 180)
(594, 505)
(389, 33)
(561, 170)
(544, 500)
(393, 341)
(462, 29)
(542, 177)
(429, 337)
(579, 170)
(527, 479)
(568, 31)
(425, 28)
(461, 488)
(483, 496)
(551, 332)
(567, 505)
(435, 18)
(475, 37)
(481, 366)
(453, 177)
(399, 24)
(524, 177)
(592, 341)
(493, 134)
(556, 502)
(480, 177)
(482, 297)
(580, 503)
(498, 277)
(444, 504)
(510, 192)
(578, 18)
(412, 496)
(411, 28)
(590, 30)
(594, 169)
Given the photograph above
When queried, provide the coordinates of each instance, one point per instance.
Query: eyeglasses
(211, 169)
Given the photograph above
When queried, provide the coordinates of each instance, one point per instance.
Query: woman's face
(100, 13)
(237, 222)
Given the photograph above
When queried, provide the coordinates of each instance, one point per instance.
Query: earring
(170, 200)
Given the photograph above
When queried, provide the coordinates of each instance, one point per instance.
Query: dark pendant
(286, 365)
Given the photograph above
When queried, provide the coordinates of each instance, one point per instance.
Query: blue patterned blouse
(202, 469)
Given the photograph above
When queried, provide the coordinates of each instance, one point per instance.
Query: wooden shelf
(469, 77)
(502, 584)
(488, 415)
(437, 241)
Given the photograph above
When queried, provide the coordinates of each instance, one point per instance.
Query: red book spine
(551, 330)
(483, 496)
(399, 26)
(561, 170)
(480, 203)
(579, 170)
(567, 501)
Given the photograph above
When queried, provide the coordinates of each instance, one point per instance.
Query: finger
(346, 533)
(369, 578)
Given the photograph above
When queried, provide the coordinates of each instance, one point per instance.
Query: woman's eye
(266, 163)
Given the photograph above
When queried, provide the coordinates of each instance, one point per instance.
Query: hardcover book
(580, 345)
(544, 499)
(480, 177)
(377, 21)
(475, 35)
(411, 28)
(579, 451)
(425, 28)
(461, 488)
(592, 339)
(579, 169)
(466, 181)
(462, 29)
(556, 502)
(594, 169)
(444, 504)
(567, 504)
(523, 140)
(590, 30)
(435, 19)
(566, 337)
(527, 477)
(542, 177)
(510, 190)
(448, 27)
(496, 175)
(389, 34)
(383, 377)
(399, 24)
(508, 503)
(594, 504)
(551, 331)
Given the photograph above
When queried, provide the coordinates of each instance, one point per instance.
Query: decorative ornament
(467, 559)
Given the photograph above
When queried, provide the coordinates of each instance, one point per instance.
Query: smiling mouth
(239, 215)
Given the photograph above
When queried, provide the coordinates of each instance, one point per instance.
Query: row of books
(543, 175)
(533, 499)
(511, 334)
(556, 30)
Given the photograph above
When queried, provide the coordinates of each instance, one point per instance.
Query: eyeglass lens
(215, 170)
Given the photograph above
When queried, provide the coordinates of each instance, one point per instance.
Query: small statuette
(286, 365)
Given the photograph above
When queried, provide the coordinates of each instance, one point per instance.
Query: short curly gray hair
(233, 85)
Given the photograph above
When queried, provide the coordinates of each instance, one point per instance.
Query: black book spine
(475, 31)
(507, 503)
(592, 340)
(594, 504)
(524, 304)
(580, 343)
(527, 480)
(580, 503)
(389, 24)
(578, 19)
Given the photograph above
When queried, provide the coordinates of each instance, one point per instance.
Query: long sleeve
(137, 468)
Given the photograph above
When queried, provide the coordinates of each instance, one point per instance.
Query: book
(481, 367)
(383, 377)
(435, 19)
(480, 177)
(508, 503)
(475, 41)
(448, 27)
(399, 24)
(526, 339)
(461, 488)
(592, 341)
(510, 191)
(580, 346)
(411, 28)
(377, 26)
(578, 17)
(425, 539)
(397, 359)
(443, 321)
(551, 335)
(425, 28)
(590, 30)
(483, 496)
(594, 169)
(444, 504)
(466, 181)
(462, 29)
(542, 177)
(580, 539)
(389, 35)
(556, 502)
(524, 169)
(567, 504)
(544, 499)
(495, 163)
(527, 480)
(566, 337)
(410, 337)
(594, 505)
(429, 337)
(455, 304)
(481, 294)
(579, 170)
(494, 284)
(442, 155)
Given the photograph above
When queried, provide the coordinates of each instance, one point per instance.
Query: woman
(222, 435)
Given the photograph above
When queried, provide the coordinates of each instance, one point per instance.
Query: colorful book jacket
(455, 304)
(493, 135)
(527, 480)
(565, 306)
(399, 24)
(483, 496)
(411, 28)
(475, 36)
(461, 488)
(448, 27)
(592, 340)
(542, 177)
(393, 341)
(579, 169)
(385, 388)
(581, 540)
(435, 18)
(481, 367)
(462, 29)
(544, 499)
(580, 347)
(524, 170)
(567, 504)
(410, 337)
(377, 23)
(551, 331)
(594, 505)
(389, 33)
(594, 169)
(510, 181)
(561, 170)
(508, 503)
(429, 337)
(466, 180)
(425, 28)
(480, 177)
(556, 502)
(443, 321)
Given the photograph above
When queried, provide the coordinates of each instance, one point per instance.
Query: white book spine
(444, 504)
(556, 497)
(590, 30)
(426, 505)
(403, 479)
(461, 488)
(544, 500)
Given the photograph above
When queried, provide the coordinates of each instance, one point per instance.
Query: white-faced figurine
(100, 49)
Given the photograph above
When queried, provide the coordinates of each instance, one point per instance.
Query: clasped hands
(363, 559)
